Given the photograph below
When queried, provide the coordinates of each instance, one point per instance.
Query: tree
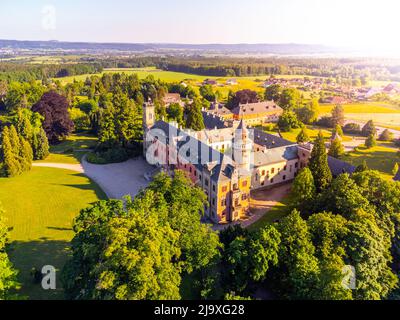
(288, 121)
(273, 92)
(338, 115)
(249, 258)
(242, 97)
(207, 93)
(194, 118)
(303, 190)
(175, 112)
(386, 135)
(298, 270)
(8, 275)
(370, 142)
(318, 164)
(303, 136)
(9, 154)
(369, 254)
(308, 114)
(337, 131)
(139, 249)
(353, 128)
(57, 123)
(362, 167)
(343, 197)
(395, 168)
(92, 111)
(40, 145)
(290, 99)
(368, 129)
(336, 149)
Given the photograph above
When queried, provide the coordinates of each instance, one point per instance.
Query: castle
(227, 160)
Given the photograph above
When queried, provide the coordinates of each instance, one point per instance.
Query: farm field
(39, 207)
(355, 108)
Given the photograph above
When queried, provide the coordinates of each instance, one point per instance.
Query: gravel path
(116, 180)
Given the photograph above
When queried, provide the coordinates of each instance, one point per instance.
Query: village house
(210, 82)
(171, 98)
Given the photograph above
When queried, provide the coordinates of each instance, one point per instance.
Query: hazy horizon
(365, 25)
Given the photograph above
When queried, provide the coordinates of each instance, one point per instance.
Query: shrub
(115, 155)
(353, 128)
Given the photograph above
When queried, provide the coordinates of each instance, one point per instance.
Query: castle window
(285, 168)
(224, 188)
(235, 186)
(284, 177)
(206, 182)
(223, 202)
(263, 173)
(190, 169)
(296, 165)
(213, 187)
(156, 153)
(273, 170)
(213, 201)
(272, 180)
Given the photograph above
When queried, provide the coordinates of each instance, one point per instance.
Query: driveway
(116, 180)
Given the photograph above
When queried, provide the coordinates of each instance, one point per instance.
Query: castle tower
(148, 114)
(149, 119)
(242, 146)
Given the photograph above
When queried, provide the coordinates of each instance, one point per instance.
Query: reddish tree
(243, 97)
(57, 122)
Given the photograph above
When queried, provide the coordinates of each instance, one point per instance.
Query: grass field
(72, 149)
(40, 206)
(276, 213)
(370, 107)
(382, 158)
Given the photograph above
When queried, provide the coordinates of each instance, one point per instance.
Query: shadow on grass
(87, 186)
(36, 254)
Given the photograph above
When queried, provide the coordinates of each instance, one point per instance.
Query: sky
(356, 23)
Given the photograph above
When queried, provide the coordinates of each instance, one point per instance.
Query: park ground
(40, 205)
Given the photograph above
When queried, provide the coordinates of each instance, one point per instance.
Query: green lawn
(382, 158)
(276, 213)
(72, 149)
(40, 206)
(312, 131)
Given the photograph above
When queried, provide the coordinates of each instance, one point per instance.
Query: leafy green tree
(121, 253)
(338, 131)
(8, 275)
(194, 119)
(369, 254)
(395, 168)
(298, 271)
(386, 135)
(328, 233)
(290, 99)
(11, 165)
(338, 115)
(370, 142)
(303, 190)
(308, 113)
(368, 129)
(362, 167)
(303, 136)
(92, 111)
(249, 259)
(288, 121)
(40, 145)
(336, 148)
(273, 92)
(207, 93)
(343, 197)
(175, 112)
(318, 164)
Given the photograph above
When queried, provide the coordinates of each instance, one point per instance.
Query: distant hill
(56, 46)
